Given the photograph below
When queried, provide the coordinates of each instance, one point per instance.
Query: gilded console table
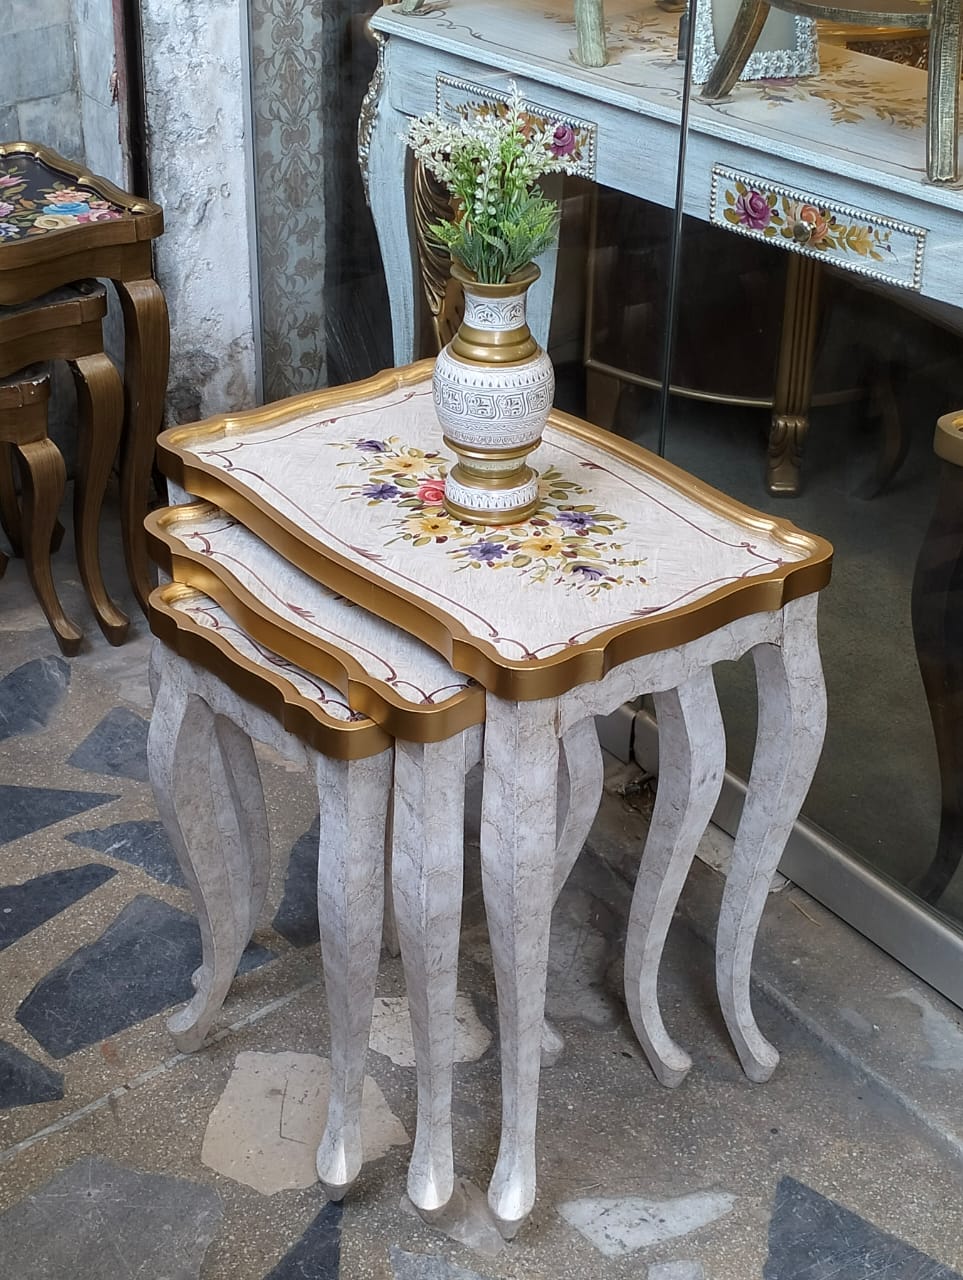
(58, 224)
(634, 578)
(830, 168)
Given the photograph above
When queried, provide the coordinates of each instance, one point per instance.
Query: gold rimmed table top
(196, 627)
(406, 687)
(628, 556)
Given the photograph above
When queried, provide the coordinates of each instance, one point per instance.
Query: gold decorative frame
(339, 739)
(508, 678)
(413, 721)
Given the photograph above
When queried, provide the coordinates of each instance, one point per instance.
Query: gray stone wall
(39, 94)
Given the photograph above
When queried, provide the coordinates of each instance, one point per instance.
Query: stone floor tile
(682, 1270)
(30, 694)
(143, 844)
(97, 1220)
(814, 1238)
(617, 1225)
(317, 1255)
(116, 748)
(141, 964)
(24, 907)
(391, 1031)
(24, 1081)
(24, 810)
(297, 915)
(423, 1266)
(266, 1127)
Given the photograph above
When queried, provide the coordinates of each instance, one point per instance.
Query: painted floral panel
(761, 209)
(570, 544)
(32, 201)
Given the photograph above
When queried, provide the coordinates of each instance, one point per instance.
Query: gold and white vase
(493, 388)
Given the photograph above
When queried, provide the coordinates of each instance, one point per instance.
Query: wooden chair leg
(43, 477)
(100, 405)
(794, 377)
(943, 92)
(735, 52)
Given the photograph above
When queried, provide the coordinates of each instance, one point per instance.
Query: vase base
(473, 515)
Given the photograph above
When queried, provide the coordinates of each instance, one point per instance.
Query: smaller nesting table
(59, 224)
(633, 578)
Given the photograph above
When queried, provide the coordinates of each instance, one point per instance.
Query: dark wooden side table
(59, 224)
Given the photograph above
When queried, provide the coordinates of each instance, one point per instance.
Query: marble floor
(120, 1157)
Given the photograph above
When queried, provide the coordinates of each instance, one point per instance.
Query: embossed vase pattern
(493, 388)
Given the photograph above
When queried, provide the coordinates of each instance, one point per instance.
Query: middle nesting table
(435, 715)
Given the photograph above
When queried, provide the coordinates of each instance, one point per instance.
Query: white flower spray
(491, 164)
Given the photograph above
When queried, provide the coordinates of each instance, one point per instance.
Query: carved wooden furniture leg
(692, 761)
(100, 406)
(208, 792)
(943, 92)
(794, 376)
(146, 363)
(580, 780)
(429, 806)
(385, 170)
(789, 738)
(517, 857)
(353, 800)
(937, 612)
(23, 424)
(735, 52)
(9, 503)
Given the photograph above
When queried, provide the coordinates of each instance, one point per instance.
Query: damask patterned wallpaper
(324, 311)
(289, 71)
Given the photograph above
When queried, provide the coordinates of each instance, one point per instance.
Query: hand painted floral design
(28, 209)
(568, 544)
(752, 210)
(777, 215)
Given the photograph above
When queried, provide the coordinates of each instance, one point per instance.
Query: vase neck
(494, 330)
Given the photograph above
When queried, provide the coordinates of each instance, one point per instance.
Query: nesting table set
(321, 600)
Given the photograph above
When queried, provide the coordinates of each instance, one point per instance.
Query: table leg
(384, 166)
(692, 762)
(42, 478)
(146, 362)
(353, 803)
(789, 738)
(427, 859)
(208, 794)
(794, 377)
(100, 406)
(517, 858)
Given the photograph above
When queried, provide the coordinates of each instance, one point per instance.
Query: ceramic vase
(493, 387)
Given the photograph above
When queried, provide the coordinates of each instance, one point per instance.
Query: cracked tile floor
(121, 1157)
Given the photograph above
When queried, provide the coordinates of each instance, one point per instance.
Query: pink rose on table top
(9, 180)
(71, 195)
(563, 141)
(752, 210)
(99, 215)
(5, 208)
(431, 492)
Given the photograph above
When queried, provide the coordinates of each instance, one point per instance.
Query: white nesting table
(634, 578)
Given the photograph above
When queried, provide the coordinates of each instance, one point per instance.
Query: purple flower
(752, 210)
(371, 446)
(587, 572)
(487, 551)
(577, 521)
(381, 492)
(563, 141)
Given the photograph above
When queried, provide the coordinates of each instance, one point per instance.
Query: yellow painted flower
(54, 221)
(543, 544)
(407, 463)
(430, 526)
